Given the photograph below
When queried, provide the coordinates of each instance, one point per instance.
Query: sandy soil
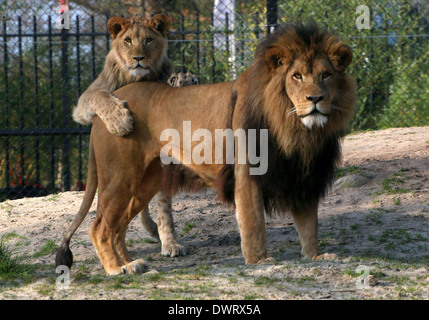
(376, 216)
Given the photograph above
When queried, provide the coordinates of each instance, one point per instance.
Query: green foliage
(390, 59)
(10, 266)
(49, 248)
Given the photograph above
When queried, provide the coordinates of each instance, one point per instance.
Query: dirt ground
(376, 219)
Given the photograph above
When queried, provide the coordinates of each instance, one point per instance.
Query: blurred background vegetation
(43, 70)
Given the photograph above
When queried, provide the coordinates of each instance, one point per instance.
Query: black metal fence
(45, 69)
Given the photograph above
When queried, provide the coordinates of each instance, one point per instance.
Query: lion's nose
(139, 58)
(315, 99)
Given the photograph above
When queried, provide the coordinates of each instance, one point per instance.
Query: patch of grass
(267, 281)
(401, 235)
(341, 172)
(374, 216)
(6, 206)
(251, 296)
(10, 267)
(394, 184)
(188, 227)
(155, 277)
(53, 197)
(371, 238)
(305, 279)
(10, 235)
(49, 248)
(13, 235)
(45, 289)
(397, 201)
(130, 242)
(354, 226)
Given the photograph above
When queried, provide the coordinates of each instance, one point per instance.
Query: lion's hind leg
(108, 231)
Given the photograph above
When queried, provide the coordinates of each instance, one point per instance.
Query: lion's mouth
(313, 112)
(315, 118)
(139, 66)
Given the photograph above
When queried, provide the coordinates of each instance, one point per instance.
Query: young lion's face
(140, 44)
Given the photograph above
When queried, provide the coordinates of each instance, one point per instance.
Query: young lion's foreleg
(116, 117)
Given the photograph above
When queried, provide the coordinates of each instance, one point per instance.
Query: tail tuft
(64, 256)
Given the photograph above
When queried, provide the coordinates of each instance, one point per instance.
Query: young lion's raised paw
(182, 80)
(117, 117)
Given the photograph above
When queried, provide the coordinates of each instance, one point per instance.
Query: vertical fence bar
(51, 105)
(197, 18)
(36, 102)
(257, 27)
(79, 186)
(21, 101)
(182, 47)
(213, 49)
(66, 108)
(242, 43)
(272, 14)
(227, 35)
(107, 38)
(93, 47)
(6, 105)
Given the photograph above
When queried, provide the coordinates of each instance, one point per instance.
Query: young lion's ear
(115, 25)
(276, 57)
(341, 56)
(161, 23)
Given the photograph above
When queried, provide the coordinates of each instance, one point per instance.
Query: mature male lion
(296, 88)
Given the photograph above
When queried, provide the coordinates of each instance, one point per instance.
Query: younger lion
(139, 53)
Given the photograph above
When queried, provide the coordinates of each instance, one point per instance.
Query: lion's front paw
(326, 256)
(267, 260)
(135, 267)
(182, 80)
(173, 250)
(117, 118)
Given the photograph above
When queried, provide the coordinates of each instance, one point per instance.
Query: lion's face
(311, 89)
(140, 44)
(309, 66)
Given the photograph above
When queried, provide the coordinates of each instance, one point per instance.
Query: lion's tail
(64, 255)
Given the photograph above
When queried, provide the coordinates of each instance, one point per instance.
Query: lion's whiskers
(335, 107)
(293, 111)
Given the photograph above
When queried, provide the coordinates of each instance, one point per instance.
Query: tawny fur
(293, 64)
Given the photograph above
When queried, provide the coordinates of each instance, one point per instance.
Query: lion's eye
(297, 76)
(128, 40)
(149, 40)
(326, 75)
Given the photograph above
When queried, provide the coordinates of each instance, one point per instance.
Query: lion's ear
(276, 57)
(115, 25)
(161, 23)
(341, 56)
